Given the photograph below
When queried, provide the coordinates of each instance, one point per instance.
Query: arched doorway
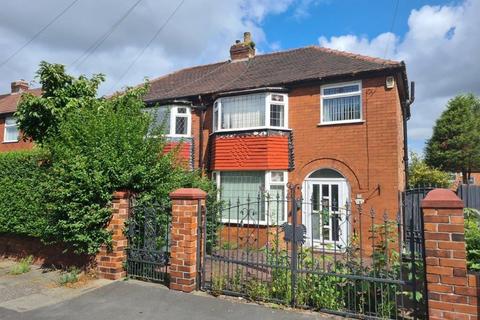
(326, 193)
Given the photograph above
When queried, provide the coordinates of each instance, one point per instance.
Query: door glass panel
(315, 197)
(334, 197)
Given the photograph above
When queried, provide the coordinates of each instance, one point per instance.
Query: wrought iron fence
(148, 250)
(324, 256)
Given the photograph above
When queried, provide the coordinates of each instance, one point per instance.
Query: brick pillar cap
(188, 194)
(442, 198)
(121, 194)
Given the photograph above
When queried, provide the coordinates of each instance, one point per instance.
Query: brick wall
(452, 292)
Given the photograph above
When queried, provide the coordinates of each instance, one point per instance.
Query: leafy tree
(39, 117)
(420, 174)
(455, 143)
(91, 148)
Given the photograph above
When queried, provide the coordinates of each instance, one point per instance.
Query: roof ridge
(355, 55)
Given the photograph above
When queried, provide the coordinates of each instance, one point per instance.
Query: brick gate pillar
(452, 293)
(186, 204)
(110, 260)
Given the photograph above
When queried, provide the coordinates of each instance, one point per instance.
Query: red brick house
(330, 121)
(10, 139)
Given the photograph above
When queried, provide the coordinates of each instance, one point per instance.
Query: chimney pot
(247, 37)
(19, 86)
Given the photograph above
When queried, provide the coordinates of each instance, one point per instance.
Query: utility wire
(392, 26)
(139, 55)
(81, 59)
(35, 36)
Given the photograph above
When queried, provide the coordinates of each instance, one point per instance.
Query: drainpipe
(202, 109)
(406, 116)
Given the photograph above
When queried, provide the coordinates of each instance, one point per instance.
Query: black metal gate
(148, 253)
(315, 254)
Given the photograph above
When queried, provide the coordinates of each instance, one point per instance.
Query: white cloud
(441, 51)
(200, 32)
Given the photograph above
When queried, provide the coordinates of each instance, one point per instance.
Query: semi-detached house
(332, 122)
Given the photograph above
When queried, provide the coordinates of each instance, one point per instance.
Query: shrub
(22, 209)
(472, 238)
(91, 147)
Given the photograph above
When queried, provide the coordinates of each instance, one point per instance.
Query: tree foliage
(92, 147)
(39, 117)
(420, 174)
(455, 143)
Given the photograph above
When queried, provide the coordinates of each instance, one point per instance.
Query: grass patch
(24, 266)
(69, 277)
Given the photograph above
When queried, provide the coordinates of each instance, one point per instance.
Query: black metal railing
(341, 259)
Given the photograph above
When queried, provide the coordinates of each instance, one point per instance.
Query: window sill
(10, 141)
(336, 123)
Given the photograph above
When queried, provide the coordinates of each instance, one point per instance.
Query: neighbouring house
(330, 121)
(10, 138)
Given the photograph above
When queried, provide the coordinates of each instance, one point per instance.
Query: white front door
(324, 212)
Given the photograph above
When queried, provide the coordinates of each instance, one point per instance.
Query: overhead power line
(35, 36)
(85, 55)
(139, 55)
(392, 26)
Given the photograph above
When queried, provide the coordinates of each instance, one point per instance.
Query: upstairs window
(341, 103)
(252, 111)
(11, 133)
(176, 120)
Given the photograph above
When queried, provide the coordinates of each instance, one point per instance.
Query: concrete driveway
(126, 300)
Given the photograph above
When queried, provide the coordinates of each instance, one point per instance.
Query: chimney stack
(245, 50)
(19, 86)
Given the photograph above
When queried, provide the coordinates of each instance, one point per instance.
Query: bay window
(11, 132)
(176, 120)
(251, 111)
(341, 103)
(252, 196)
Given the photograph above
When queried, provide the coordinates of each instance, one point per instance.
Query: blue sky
(438, 40)
(334, 18)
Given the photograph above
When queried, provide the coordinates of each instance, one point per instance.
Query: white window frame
(216, 176)
(340, 95)
(217, 123)
(6, 126)
(173, 113)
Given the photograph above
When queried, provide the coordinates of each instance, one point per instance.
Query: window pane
(239, 187)
(277, 97)
(181, 110)
(181, 125)
(334, 197)
(340, 109)
(277, 176)
(11, 133)
(215, 117)
(10, 121)
(277, 203)
(161, 116)
(276, 115)
(243, 111)
(339, 90)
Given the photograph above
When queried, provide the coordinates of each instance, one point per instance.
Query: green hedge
(22, 205)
